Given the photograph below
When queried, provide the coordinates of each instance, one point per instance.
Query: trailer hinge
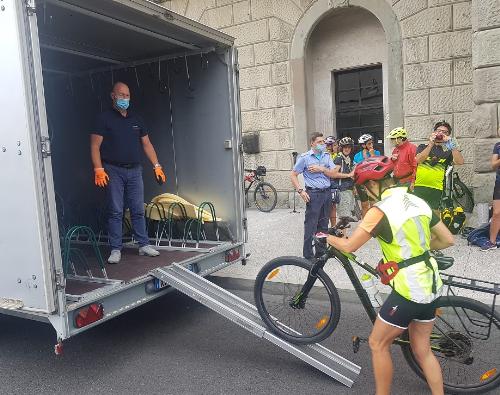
(245, 223)
(31, 7)
(60, 280)
(240, 148)
(45, 145)
(237, 67)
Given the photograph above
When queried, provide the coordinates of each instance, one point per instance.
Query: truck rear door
(29, 245)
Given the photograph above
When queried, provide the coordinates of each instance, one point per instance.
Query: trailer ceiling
(110, 32)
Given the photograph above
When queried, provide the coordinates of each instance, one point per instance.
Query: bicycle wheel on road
(285, 310)
(265, 197)
(466, 346)
(463, 196)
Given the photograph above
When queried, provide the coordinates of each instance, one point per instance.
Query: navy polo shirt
(121, 136)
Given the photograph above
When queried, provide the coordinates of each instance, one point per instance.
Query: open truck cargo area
(60, 62)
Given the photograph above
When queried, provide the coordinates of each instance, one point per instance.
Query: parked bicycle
(298, 301)
(264, 194)
(456, 192)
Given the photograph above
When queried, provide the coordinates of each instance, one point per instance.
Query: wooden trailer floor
(131, 266)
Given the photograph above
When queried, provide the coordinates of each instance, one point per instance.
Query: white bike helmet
(346, 141)
(330, 140)
(365, 138)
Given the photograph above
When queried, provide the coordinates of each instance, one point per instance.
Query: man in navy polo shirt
(115, 149)
(317, 167)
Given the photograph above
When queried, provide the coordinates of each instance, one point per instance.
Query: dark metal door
(359, 106)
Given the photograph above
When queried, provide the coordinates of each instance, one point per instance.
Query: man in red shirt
(403, 156)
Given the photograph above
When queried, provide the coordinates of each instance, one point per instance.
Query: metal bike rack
(246, 315)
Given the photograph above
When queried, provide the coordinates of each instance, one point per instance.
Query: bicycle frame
(345, 261)
(256, 179)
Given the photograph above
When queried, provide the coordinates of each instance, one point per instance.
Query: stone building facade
(440, 59)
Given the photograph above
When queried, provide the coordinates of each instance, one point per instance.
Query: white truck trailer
(59, 61)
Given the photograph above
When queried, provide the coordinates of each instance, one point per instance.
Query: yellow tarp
(166, 200)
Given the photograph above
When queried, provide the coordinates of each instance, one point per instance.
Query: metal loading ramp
(245, 315)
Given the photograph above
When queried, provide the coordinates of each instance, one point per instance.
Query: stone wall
(485, 118)
(451, 68)
(437, 50)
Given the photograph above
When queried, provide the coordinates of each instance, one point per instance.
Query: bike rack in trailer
(245, 315)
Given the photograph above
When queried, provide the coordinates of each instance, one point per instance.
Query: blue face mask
(320, 148)
(122, 104)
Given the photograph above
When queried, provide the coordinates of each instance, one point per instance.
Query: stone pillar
(484, 122)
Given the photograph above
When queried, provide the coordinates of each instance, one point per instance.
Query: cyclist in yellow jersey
(433, 159)
(406, 229)
(332, 147)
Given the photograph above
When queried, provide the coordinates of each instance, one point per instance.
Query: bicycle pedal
(356, 341)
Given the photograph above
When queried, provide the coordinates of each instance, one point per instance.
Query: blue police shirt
(314, 180)
(121, 136)
(359, 156)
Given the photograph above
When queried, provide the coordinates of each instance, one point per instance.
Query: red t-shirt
(406, 163)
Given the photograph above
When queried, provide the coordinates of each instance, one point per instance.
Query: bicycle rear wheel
(466, 342)
(265, 197)
(462, 195)
(286, 311)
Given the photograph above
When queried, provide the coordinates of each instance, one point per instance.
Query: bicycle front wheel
(265, 197)
(286, 310)
(465, 340)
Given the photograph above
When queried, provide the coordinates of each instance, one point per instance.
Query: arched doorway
(346, 56)
(354, 49)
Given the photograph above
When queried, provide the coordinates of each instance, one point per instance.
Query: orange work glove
(159, 175)
(101, 178)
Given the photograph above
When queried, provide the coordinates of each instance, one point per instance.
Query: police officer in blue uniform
(317, 167)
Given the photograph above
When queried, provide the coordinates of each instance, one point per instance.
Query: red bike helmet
(374, 168)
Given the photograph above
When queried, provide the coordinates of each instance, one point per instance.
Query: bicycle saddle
(444, 262)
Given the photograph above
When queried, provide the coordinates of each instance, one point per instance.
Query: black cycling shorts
(362, 194)
(496, 191)
(399, 312)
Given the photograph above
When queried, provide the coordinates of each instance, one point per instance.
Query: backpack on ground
(480, 236)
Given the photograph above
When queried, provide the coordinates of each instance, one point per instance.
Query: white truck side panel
(25, 237)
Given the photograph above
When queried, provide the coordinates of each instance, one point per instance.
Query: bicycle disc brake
(458, 346)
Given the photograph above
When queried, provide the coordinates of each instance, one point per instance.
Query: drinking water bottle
(371, 289)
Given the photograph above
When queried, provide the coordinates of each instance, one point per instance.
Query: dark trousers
(316, 220)
(125, 190)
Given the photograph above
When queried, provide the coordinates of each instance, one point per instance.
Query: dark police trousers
(316, 220)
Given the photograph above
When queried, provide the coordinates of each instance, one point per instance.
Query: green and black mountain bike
(299, 302)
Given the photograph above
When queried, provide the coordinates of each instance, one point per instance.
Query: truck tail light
(89, 314)
(232, 255)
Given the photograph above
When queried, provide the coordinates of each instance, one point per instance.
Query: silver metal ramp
(245, 315)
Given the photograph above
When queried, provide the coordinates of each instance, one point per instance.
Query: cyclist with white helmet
(403, 156)
(342, 183)
(367, 151)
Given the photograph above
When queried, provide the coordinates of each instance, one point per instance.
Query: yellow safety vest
(409, 218)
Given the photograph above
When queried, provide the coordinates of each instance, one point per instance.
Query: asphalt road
(176, 346)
